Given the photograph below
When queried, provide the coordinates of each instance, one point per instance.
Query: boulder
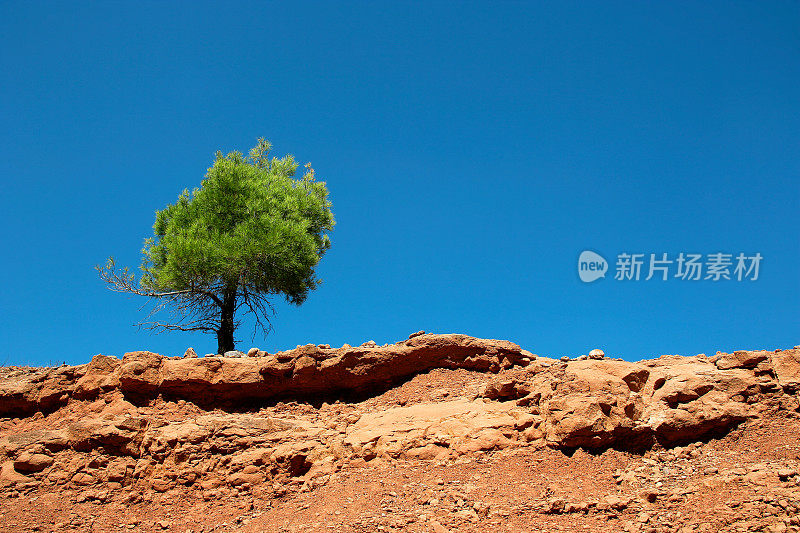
(9, 476)
(597, 354)
(786, 364)
(101, 376)
(597, 403)
(740, 359)
(32, 462)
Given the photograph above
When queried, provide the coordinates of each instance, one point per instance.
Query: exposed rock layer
(307, 372)
(118, 442)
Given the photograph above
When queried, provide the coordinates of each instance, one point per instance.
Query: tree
(249, 233)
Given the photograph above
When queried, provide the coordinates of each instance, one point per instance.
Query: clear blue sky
(472, 151)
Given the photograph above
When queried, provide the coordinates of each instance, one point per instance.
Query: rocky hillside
(434, 433)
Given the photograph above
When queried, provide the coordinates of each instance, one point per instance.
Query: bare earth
(530, 444)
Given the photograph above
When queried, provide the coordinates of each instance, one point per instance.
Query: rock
(740, 359)
(438, 528)
(576, 507)
(114, 441)
(481, 508)
(324, 346)
(190, 353)
(9, 476)
(306, 371)
(82, 479)
(555, 505)
(100, 376)
(53, 440)
(234, 353)
(564, 359)
(416, 334)
(650, 496)
(597, 354)
(508, 389)
(32, 462)
(613, 502)
(39, 389)
(211, 355)
(419, 431)
(787, 369)
(118, 470)
(252, 352)
(370, 344)
(161, 484)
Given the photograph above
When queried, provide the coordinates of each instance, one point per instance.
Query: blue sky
(472, 151)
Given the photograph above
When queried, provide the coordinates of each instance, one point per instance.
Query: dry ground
(746, 480)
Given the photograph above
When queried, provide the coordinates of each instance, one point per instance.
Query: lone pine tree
(250, 232)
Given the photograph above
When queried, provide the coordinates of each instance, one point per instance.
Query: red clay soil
(737, 475)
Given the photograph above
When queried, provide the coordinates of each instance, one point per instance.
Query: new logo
(591, 266)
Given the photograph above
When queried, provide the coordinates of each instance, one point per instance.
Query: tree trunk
(225, 341)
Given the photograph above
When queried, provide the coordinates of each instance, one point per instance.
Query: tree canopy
(250, 232)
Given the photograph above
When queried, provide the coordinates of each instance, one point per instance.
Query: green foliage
(250, 224)
(251, 231)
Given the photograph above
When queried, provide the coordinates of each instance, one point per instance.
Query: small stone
(597, 354)
(83, 478)
(234, 353)
(576, 507)
(650, 496)
(252, 352)
(565, 359)
(189, 353)
(324, 346)
(417, 334)
(555, 505)
(369, 344)
(615, 502)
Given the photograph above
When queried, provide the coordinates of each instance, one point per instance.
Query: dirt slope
(436, 433)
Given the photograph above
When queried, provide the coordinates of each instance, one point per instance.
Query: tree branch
(173, 327)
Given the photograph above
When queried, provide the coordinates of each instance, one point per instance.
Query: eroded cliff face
(276, 423)
(309, 372)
